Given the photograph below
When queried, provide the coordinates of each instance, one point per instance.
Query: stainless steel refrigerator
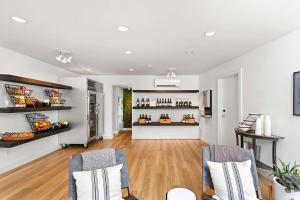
(87, 114)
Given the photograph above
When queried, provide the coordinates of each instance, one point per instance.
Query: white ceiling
(160, 31)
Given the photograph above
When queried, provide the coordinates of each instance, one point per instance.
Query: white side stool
(180, 194)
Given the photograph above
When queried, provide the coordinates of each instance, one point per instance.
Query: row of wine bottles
(161, 102)
(165, 116)
(147, 118)
(187, 118)
(143, 102)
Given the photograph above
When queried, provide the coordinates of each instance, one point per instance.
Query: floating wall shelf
(19, 79)
(38, 135)
(166, 91)
(172, 124)
(19, 109)
(167, 107)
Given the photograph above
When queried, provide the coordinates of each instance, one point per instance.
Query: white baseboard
(107, 137)
(126, 129)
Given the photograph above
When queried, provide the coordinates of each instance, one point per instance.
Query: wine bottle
(190, 104)
(137, 103)
(143, 102)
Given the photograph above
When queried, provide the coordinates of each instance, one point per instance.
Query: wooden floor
(155, 166)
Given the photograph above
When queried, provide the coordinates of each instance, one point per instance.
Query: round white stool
(180, 194)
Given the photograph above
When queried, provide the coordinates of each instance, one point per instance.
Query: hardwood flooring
(155, 166)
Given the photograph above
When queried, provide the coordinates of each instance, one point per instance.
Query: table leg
(274, 156)
(254, 147)
(237, 140)
(242, 141)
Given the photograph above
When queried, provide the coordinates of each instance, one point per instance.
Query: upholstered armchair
(75, 164)
(229, 154)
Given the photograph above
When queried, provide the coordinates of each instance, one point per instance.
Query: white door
(228, 109)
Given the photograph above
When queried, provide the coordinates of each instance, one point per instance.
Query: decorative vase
(267, 126)
(280, 193)
(262, 118)
(258, 126)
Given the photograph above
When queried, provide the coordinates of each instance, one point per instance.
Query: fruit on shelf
(42, 125)
(13, 136)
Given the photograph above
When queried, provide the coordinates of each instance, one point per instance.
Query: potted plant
(286, 182)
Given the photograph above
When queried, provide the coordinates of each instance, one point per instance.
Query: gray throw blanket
(98, 159)
(222, 153)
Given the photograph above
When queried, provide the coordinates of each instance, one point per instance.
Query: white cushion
(232, 180)
(100, 184)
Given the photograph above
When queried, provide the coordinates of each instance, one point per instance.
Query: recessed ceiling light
(128, 52)
(209, 34)
(123, 28)
(131, 69)
(19, 19)
(190, 52)
(149, 65)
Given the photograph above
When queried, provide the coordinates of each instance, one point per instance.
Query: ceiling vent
(167, 83)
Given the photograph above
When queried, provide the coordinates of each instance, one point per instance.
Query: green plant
(127, 108)
(288, 176)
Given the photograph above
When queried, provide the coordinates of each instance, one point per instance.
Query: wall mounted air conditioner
(167, 83)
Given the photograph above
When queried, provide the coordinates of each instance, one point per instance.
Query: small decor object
(180, 194)
(296, 93)
(101, 179)
(249, 124)
(55, 97)
(12, 136)
(286, 182)
(267, 126)
(258, 126)
(60, 124)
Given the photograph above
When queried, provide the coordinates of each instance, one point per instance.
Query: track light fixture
(64, 56)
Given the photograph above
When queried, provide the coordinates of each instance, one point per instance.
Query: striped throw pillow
(100, 184)
(232, 180)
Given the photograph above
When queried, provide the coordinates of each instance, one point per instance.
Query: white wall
(21, 65)
(136, 82)
(267, 88)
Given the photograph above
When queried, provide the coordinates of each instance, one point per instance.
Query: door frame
(239, 73)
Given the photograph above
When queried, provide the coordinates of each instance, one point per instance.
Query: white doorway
(229, 107)
(117, 109)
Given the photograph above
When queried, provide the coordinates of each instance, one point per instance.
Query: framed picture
(296, 93)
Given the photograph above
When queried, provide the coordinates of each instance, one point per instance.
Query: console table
(251, 134)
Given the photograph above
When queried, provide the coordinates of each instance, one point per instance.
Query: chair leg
(128, 192)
